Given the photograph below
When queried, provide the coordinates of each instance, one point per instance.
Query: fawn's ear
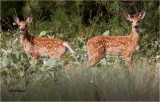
(141, 15)
(16, 19)
(29, 19)
(127, 16)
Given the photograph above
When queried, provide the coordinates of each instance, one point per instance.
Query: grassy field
(66, 80)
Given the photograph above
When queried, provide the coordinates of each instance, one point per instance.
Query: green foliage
(47, 79)
(77, 21)
(104, 83)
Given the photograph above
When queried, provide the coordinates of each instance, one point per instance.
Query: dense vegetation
(76, 22)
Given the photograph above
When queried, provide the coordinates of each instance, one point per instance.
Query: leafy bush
(68, 80)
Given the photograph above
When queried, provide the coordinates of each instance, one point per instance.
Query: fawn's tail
(70, 48)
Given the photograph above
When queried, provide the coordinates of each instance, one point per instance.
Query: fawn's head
(134, 20)
(22, 24)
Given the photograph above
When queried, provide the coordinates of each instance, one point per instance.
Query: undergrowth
(65, 79)
(68, 80)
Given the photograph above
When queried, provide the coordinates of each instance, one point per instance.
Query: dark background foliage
(86, 18)
(76, 22)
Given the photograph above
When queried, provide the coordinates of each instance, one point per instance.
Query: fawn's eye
(26, 25)
(138, 21)
(131, 21)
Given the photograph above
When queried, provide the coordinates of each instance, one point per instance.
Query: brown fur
(100, 46)
(38, 46)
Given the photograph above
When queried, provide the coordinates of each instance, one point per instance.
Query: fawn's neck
(26, 36)
(134, 35)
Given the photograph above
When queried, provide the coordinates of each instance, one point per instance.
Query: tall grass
(96, 84)
(48, 79)
(67, 80)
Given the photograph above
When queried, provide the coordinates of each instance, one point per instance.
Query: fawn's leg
(89, 55)
(128, 63)
(94, 59)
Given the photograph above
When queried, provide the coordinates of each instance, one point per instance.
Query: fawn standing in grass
(38, 46)
(100, 46)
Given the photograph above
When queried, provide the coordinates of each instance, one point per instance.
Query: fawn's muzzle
(136, 27)
(22, 29)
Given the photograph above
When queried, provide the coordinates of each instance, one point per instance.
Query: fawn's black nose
(136, 27)
(22, 29)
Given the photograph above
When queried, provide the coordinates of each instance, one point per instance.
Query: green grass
(48, 79)
(103, 83)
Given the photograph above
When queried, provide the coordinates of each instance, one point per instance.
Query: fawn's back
(110, 45)
(48, 47)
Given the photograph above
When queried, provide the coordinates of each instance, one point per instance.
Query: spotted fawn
(40, 46)
(100, 46)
